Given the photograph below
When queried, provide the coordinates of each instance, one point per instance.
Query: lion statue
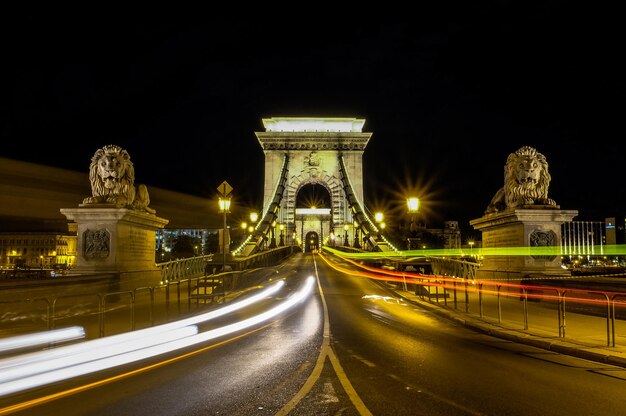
(526, 182)
(112, 178)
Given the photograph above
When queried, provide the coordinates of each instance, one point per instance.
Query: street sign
(224, 189)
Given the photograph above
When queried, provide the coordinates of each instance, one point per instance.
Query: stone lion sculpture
(112, 178)
(526, 181)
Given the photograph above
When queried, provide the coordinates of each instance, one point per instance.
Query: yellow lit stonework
(312, 124)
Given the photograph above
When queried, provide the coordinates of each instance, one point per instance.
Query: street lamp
(273, 240)
(345, 235)
(356, 235)
(281, 227)
(224, 206)
(412, 205)
(378, 217)
(471, 244)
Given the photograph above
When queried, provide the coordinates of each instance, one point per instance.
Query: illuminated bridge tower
(324, 153)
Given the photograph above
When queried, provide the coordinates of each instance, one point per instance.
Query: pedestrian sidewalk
(590, 348)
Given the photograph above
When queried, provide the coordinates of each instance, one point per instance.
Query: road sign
(224, 189)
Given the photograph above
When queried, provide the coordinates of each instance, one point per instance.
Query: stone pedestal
(116, 240)
(521, 228)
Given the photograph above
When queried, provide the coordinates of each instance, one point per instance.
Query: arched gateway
(324, 153)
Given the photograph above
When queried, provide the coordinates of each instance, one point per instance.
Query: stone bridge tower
(314, 151)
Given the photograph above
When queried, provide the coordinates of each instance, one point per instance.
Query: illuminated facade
(582, 238)
(615, 230)
(37, 250)
(314, 147)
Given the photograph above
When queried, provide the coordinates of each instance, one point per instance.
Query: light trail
(93, 354)
(513, 290)
(607, 250)
(127, 357)
(74, 349)
(53, 336)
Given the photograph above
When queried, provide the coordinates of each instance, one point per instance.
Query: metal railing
(103, 314)
(529, 305)
(175, 270)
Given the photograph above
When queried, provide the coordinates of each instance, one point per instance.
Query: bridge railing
(176, 270)
(453, 267)
(595, 314)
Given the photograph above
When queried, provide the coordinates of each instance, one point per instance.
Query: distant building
(37, 250)
(615, 230)
(450, 233)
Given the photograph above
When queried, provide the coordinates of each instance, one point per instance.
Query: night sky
(447, 93)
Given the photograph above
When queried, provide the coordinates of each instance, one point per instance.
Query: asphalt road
(351, 348)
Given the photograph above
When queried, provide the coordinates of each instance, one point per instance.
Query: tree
(184, 247)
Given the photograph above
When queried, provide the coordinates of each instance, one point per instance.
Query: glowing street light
(356, 235)
(345, 235)
(224, 207)
(413, 205)
(273, 239)
(378, 217)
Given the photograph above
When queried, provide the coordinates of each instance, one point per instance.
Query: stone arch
(311, 241)
(314, 150)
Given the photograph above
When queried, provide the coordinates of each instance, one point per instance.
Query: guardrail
(186, 285)
(588, 310)
(103, 314)
(175, 270)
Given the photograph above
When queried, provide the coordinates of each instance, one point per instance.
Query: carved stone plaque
(543, 239)
(97, 244)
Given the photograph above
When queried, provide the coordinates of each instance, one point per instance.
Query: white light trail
(94, 354)
(74, 349)
(42, 338)
(83, 368)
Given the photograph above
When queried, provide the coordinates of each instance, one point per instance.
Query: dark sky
(447, 93)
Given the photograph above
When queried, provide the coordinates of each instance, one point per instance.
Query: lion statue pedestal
(520, 228)
(116, 228)
(520, 216)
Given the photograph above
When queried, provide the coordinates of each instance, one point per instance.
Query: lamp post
(273, 240)
(378, 217)
(471, 244)
(345, 235)
(356, 235)
(413, 206)
(224, 205)
(281, 227)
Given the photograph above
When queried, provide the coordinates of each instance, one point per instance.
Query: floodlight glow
(312, 211)
(314, 124)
